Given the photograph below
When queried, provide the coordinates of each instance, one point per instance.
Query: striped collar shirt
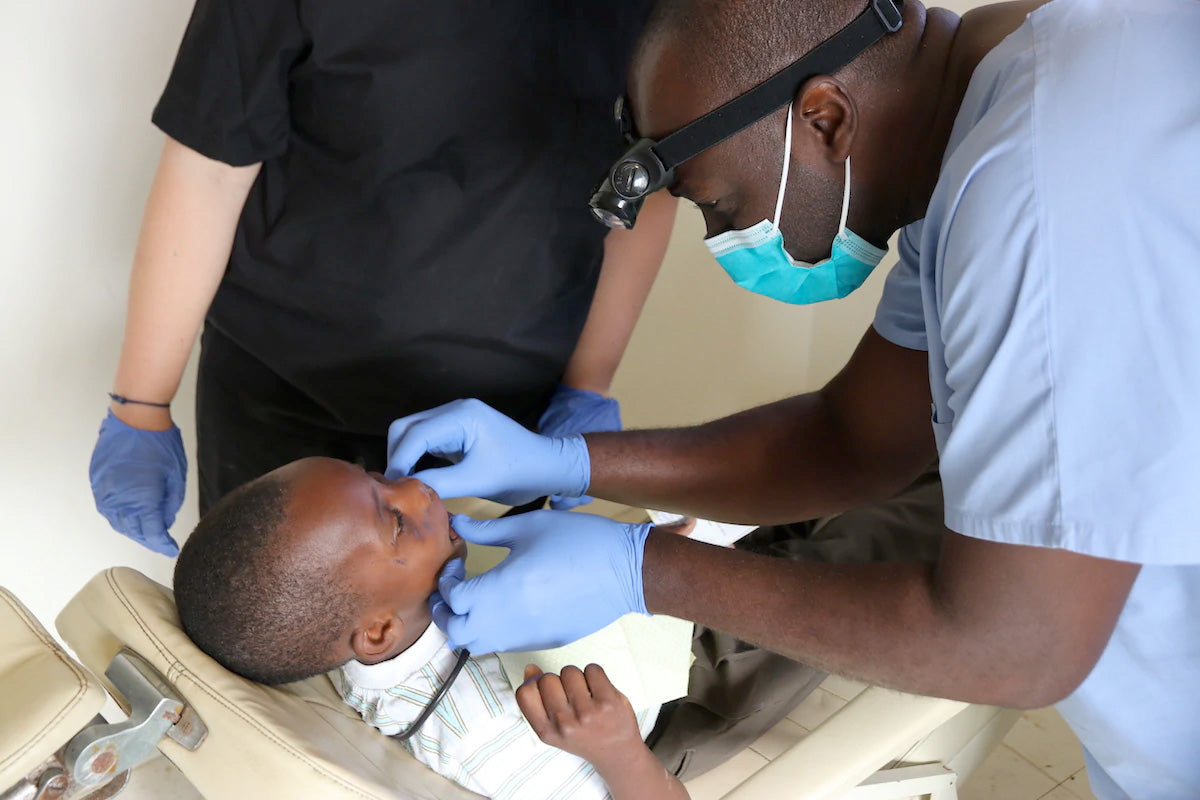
(477, 737)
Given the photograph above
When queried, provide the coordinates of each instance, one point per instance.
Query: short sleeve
(227, 96)
(1000, 457)
(1066, 315)
(900, 316)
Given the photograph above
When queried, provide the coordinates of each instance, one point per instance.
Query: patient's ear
(377, 638)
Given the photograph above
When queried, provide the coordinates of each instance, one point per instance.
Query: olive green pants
(737, 691)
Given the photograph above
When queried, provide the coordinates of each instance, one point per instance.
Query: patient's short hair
(248, 601)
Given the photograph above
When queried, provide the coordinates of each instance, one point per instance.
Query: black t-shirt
(419, 230)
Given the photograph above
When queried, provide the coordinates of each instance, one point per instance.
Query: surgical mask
(756, 259)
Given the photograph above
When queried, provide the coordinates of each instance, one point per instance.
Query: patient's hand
(584, 714)
(580, 712)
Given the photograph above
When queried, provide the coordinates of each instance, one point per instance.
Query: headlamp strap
(879, 18)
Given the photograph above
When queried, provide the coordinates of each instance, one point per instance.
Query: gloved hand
(493, 456)
(566, 575)
(138, 479)
(572, 411)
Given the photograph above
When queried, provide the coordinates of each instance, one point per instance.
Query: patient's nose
(412, 493)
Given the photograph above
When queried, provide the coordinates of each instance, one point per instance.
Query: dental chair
(234, 739)
(884, 745)
(231, 738)
(45, 699)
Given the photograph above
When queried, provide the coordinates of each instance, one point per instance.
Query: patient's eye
(399, 524)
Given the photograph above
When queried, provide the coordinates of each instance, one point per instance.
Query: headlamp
(648, 166)
(638, 173)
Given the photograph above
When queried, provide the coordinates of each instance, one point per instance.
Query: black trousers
(738, 691)
(250, 421)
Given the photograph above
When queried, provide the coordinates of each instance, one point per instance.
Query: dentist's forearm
(841, 618)
(183, 248)
(726, 470)
(861, 438)
(989, 623)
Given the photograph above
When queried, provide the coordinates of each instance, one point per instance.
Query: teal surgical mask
(756, 259)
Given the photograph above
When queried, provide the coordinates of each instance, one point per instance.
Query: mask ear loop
(787, 161)
(845, 197)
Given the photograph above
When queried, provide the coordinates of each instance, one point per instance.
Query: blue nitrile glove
(138, 478)
(566, 575)
(494, 457)
(573, 411)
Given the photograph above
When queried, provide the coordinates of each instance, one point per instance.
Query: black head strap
(878, 19)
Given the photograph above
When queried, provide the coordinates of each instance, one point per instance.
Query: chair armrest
(869, 731)
(45, 696)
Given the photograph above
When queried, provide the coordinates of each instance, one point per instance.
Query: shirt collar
(398, 669)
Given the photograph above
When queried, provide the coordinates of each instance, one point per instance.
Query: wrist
(594, 387)
(635, 772)
(629, 756)
(147, 418)
(638, 534)
(662, 590)
(578, 465)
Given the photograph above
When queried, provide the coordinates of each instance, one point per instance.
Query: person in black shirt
(372, 211)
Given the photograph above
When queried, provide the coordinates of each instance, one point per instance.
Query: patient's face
(391, 538)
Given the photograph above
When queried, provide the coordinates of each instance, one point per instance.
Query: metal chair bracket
(99, 752)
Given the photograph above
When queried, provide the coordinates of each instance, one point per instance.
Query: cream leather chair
(300, 741)
(45, 698)
(884, 745)
(297, 741)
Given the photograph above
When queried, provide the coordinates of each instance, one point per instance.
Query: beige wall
(705, 347)
(78, 79)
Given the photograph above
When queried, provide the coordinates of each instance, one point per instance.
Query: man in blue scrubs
(1043, 162)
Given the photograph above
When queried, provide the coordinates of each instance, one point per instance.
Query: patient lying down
(319, 565)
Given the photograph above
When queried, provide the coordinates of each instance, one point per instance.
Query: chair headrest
(297, 740)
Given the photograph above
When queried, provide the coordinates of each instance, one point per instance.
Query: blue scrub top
(1055, 282)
